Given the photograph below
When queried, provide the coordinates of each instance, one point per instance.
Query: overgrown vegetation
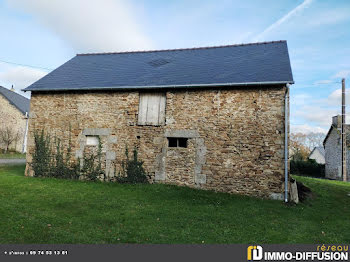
(42, 155)
(307, 168)
(62, 211)
(90, 169)
(132, 170)
(50, 159)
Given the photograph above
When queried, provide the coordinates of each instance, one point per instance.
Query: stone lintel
(181, 133)
(96, 131)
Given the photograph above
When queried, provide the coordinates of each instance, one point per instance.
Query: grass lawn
(12, 155)
(39, 210)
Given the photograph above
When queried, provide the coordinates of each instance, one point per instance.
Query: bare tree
(302, 144)
(314, 140)
(7, 136)
(297, 146)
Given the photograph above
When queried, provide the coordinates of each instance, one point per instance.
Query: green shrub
(58, 163)
(90, 170)
(42, 156)
(307, 168)
(51, 160)
(132, 170)
(61, 165)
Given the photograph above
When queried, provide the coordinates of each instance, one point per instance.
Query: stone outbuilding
(332, 146)
(212, 118)
(14, 112)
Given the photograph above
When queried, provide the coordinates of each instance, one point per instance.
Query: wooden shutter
(152, 109)
(143, 109)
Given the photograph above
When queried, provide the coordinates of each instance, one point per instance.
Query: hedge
(307, 168)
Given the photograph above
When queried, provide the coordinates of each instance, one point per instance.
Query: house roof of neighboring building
(232, 65)
(319, 149)
(19, 101)
(347, 131)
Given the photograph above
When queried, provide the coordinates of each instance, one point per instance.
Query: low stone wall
(235, 137)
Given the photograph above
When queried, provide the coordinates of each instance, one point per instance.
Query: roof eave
(327, 135)
(158, 86)
(311, 152)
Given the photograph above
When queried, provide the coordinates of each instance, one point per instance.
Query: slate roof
(19, 101)
(320, 149)
(233, 65)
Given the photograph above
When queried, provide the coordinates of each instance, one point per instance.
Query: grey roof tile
(246, 63)
(20, 102)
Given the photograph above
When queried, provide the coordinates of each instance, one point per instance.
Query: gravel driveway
(12, 161)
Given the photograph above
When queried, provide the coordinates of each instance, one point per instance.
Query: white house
(318, 154)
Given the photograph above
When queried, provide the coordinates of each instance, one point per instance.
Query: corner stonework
(110, 140)
(200, 158)
(201, 151)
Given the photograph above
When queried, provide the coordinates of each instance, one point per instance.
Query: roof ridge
(182, 49)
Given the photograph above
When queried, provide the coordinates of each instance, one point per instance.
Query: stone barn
(212, 118)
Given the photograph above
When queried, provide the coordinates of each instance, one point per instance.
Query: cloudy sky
(44, 34)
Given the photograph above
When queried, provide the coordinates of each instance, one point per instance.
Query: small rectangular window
(92, 140)
(172, 142)
(177, 142)
(182, 142)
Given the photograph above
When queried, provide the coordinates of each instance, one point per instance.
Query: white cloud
(306, 129)
(89, 26)
(20, 77)
(319, 112)
(316, 114)
(342, 74)
(335, 97)
(284, 19)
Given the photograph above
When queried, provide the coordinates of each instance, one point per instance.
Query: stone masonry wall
(235, 136)
(333, 156)
(11, 117)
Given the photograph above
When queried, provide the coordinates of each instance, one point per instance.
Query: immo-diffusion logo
(330, 253)
(254, 253)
